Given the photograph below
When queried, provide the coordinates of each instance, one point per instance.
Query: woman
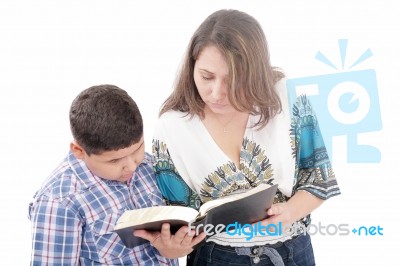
(226, 128)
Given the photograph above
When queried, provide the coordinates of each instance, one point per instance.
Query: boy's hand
(172, 246)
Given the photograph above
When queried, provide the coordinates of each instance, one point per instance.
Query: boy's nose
(131, 164)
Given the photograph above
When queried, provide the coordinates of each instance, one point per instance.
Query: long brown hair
(252, 79)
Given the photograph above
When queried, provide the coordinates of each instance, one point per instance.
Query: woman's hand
(279, 213)
(300, 205)
(172, 246)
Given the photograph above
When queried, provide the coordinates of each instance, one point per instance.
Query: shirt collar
(82, 172)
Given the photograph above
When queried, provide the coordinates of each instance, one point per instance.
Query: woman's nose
(218, 91)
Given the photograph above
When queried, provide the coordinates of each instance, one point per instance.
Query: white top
(190, 166)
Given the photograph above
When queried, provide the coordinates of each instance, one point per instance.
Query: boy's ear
(77, 150)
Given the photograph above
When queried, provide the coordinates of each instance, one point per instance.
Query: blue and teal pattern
(173, 188)
(313, 169)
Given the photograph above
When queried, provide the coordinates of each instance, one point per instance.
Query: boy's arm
(56, 234)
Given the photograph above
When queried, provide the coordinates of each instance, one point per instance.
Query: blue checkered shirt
(74, 213)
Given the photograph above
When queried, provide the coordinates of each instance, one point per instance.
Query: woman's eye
(206, 78)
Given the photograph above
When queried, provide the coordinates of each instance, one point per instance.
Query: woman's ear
(77, 150)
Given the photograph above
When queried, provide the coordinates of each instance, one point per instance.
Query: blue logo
(368, 230)
(346, 103)
(257, 229)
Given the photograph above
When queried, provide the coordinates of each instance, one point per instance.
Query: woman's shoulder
(174, 117)
(174, 120)
(280, 87)
(172, 114)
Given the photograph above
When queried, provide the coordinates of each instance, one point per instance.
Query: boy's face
(116, 165)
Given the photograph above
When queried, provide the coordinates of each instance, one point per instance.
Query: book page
(217, 202)
(156, 213)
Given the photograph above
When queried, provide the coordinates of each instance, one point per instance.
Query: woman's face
(211, 79)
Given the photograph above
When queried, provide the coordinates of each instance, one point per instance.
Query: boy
(106, 172)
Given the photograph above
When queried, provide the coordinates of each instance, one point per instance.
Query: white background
(51, 50)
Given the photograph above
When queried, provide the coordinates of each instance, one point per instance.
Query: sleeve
(313, 168)
(56, 233)
(147, 192)
(174, 189)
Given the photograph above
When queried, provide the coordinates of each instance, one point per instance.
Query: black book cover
(247, 210)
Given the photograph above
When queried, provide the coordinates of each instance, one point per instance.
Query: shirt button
(256, 260)
(254, 250)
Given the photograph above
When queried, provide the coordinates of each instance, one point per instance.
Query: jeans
(294, 252)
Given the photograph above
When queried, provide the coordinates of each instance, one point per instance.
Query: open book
(244, 208)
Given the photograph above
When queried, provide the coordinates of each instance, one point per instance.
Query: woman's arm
(315, 180)
(300, 205)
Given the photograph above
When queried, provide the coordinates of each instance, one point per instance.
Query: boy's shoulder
(148, 159)
(71, 178)
(147, 165)
(67, 179)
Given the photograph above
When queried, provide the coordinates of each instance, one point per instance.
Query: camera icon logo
(346, 103)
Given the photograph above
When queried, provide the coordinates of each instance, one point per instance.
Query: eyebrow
(205, 70)
(141, 144)
(211, 73)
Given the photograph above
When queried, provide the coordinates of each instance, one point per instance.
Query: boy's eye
(114, 161)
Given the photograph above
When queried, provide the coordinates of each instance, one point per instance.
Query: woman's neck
(227, 131)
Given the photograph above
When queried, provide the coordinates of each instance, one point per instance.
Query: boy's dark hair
(105, 118)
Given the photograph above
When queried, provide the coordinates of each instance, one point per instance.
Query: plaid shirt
(74, 213)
